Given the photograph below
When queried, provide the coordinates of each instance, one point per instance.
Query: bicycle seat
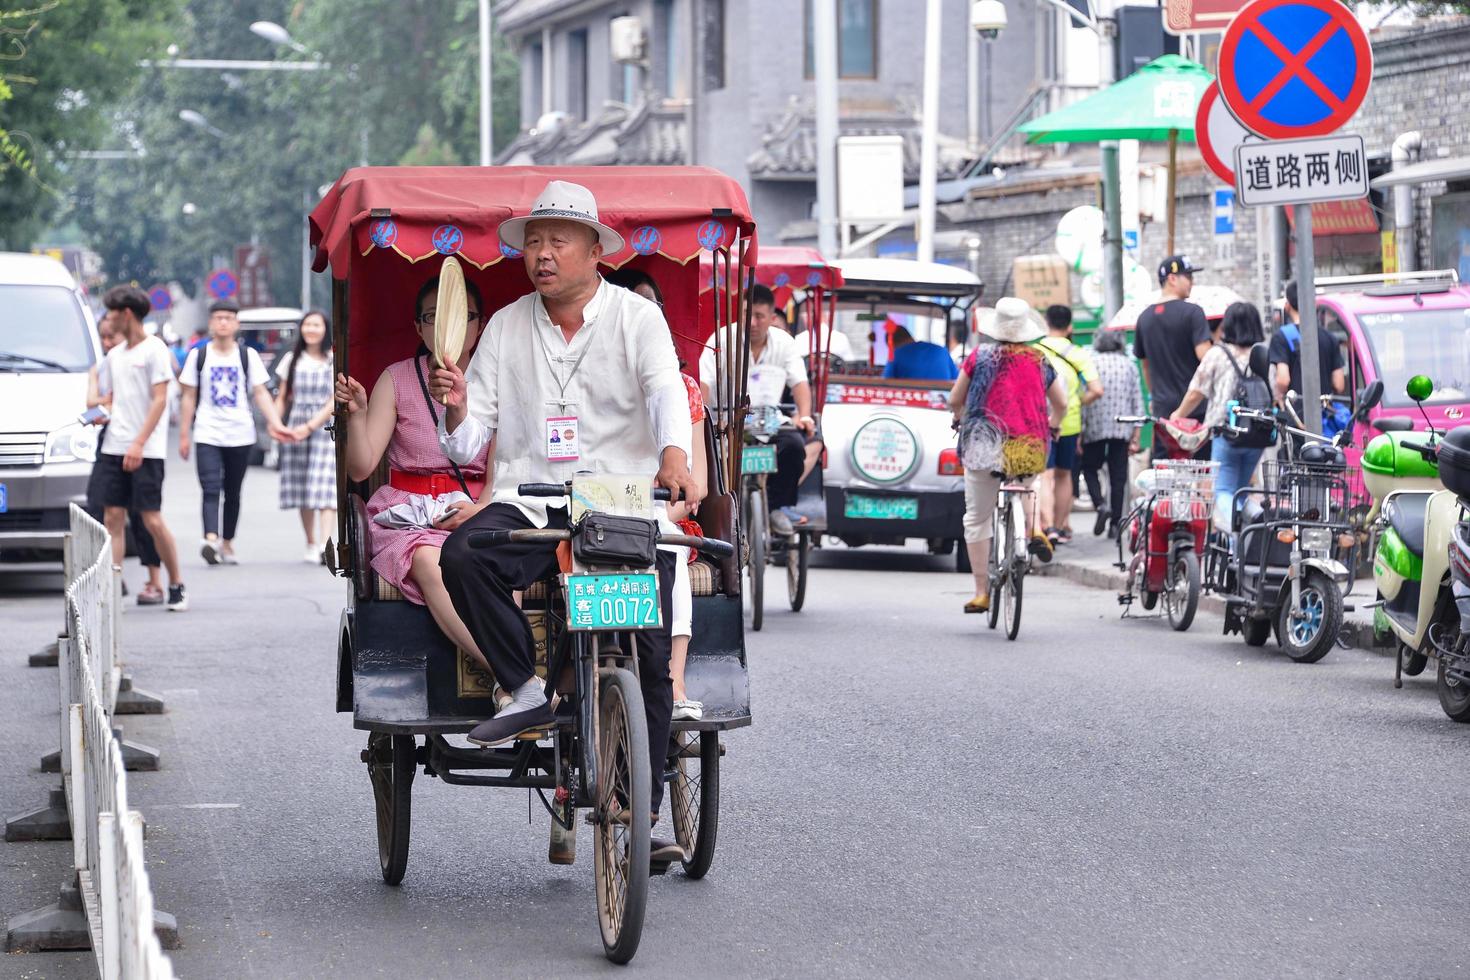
(1405, 514)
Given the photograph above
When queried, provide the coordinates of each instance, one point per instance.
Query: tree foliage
(63, 64)
(402, 85)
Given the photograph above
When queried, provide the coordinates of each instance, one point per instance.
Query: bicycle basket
(1316, 492)
(763, 420)
(1183, 489)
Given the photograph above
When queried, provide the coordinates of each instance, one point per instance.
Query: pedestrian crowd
(222, 383)
(1034, 407)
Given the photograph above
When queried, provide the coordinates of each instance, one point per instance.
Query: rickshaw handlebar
(548, 535)
(565, 490)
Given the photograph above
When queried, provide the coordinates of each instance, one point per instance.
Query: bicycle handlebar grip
(488, 539)
(542, 490)
(710, 546)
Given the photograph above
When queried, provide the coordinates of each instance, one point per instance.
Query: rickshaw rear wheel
(391, 766)
(623, 809)
(796, 559)
(755, 536)
(695, 798)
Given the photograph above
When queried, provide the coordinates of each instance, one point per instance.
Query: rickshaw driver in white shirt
(775, 365)
(575, 355)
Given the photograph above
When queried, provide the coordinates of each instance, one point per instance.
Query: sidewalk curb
(1357, 634)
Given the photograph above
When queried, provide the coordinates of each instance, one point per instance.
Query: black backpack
(1251, 391)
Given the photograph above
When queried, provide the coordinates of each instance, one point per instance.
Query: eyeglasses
(427, 319)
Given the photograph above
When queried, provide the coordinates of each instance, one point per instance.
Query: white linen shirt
(778, 366)
(626, 394)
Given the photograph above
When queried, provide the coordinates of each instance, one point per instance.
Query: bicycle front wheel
(1013, 598)
(623, 807)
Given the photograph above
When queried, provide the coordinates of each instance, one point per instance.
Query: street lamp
(198, 121)
(276, 34)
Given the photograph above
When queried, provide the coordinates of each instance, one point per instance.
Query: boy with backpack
(1223, 381)
(219, 380)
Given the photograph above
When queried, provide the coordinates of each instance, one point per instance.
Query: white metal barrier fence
(107, 837)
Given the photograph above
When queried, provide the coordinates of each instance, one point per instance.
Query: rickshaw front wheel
(695, 798)
(625, 785)
(391, 766)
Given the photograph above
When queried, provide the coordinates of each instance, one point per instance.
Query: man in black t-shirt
(1286, 354)
(1172, 337)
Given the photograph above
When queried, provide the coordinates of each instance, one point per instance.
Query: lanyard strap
(551, 364)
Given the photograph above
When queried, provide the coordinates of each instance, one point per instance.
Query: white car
(893, 473)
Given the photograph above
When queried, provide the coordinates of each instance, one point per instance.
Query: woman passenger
(680, 513)
(400, 419)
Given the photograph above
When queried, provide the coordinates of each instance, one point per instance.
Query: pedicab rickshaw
(383, 232)
(803, 284)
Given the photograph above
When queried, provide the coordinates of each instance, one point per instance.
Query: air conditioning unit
(629, 41)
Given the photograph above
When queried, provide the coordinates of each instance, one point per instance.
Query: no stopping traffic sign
(1295, 68)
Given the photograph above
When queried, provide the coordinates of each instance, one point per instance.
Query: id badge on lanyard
(562, 439)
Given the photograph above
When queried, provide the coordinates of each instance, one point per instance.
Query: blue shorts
(1063, 453)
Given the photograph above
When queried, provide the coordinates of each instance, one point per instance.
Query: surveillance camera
(988, 17)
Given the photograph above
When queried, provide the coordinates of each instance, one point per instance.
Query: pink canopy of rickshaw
(386, 230)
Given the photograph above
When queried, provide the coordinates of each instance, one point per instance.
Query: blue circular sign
(160, 297)
(223, 284)
(646, 240)
(711, 235)
(508, 252)
(782, 279)
(383, 233)
(814, 278)
(447, 239)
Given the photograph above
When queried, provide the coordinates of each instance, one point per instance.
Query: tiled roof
(789, 144)
(650, 134)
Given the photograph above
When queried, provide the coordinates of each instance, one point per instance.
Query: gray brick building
(746, 70)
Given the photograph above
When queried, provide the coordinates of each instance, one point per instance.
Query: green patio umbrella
(1156, 103)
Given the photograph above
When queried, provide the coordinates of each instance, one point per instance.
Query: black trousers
(221, 473)
(480, 583)
(1114, 454)
(790, 460)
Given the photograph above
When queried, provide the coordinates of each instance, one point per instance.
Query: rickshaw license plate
(881, 508)
(598, 603)
(758, 459)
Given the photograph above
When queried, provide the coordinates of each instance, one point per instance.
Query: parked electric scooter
(1422, 565)
(1277, 568)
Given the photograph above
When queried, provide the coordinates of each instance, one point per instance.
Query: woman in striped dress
(309, 465)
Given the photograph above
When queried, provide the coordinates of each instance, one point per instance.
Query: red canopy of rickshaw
(423, 212)
(784, 268)
(377, 226)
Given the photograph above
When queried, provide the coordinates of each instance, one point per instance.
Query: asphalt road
(917, 797)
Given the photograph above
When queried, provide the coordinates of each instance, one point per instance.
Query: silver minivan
(48, 341)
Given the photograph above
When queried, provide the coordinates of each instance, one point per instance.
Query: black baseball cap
(224, 306)
(1177, 265)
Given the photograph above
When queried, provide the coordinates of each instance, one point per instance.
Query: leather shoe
(504, 728)
(661, 851)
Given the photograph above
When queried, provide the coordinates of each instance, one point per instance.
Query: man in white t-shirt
(137, 372)
(775, 365)
(214, 417)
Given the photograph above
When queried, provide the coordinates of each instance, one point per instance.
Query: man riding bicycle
(775, 365)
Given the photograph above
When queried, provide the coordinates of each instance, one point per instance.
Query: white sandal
(687, 710)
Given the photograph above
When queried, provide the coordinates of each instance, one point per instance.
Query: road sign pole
(1306, 292)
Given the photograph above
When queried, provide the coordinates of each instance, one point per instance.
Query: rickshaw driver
(775, 365)
(596, 359)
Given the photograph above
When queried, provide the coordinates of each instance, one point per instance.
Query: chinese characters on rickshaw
(477, 486)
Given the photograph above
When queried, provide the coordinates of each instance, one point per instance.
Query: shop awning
(1424, 172)
(1331, 218)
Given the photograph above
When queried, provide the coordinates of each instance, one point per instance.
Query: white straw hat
(1013, 321)
(568, 202)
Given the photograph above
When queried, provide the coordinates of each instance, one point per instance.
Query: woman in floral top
(1008, 403)
(1214, 383)
(1104, 438)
